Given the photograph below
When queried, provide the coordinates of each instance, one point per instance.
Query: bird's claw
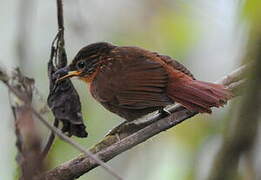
(164, 112)
(123, 129)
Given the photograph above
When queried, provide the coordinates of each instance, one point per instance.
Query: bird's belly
(112, 104)
(129, 114)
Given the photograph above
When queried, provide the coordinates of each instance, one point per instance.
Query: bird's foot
(164, 112)
(128, 127)
(124, 129)
(117, 129)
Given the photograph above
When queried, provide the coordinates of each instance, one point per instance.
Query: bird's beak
(65, 73)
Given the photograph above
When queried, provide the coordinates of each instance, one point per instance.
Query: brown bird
(132, 82)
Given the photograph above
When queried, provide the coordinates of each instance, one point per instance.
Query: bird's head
(86, 62)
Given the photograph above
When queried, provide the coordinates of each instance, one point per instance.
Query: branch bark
(28, 138)
(112, 146)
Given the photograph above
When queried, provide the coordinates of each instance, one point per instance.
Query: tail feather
(192, 106)
(199, 96)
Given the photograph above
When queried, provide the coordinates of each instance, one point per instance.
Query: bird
(132, 82)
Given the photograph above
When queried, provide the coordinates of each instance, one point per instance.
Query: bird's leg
(135, 125)
(116, 129)
(124, 129)
(152, 117)
(163, 112)
(128, 127)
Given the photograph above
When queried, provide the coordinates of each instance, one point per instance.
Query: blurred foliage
(252, 10)
(252, 15)
(168, 32)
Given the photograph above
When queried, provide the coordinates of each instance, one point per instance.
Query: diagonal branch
(112, 146)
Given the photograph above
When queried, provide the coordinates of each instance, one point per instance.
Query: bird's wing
(133, 83)
(177, 65)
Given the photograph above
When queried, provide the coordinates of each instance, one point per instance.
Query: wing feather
(133, 83)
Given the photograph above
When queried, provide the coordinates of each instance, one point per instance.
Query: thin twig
(51, 136)
(111, 146)
(50, 140)
(60, 14)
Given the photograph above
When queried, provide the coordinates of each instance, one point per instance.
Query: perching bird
(132, 82)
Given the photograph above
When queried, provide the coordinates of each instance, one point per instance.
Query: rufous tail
(199, 96)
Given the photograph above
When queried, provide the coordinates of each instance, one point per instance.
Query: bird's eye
(81, 64)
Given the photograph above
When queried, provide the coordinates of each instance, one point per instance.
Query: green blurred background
(209, 37)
